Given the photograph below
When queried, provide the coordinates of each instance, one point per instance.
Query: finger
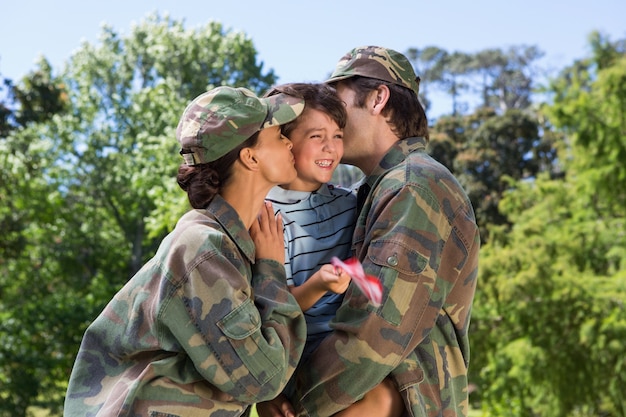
(271, 217)
(279, 223)
(264, 217)
(331, 278)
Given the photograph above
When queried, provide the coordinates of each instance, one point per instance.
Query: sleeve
(402, 247)
(243, 336)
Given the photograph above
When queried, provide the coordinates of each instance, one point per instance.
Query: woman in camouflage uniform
(207, 327)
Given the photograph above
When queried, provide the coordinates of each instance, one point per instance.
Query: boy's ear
(248, 159)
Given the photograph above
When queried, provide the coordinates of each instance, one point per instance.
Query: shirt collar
(280, 195)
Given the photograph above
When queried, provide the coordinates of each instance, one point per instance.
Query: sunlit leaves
(90, 189)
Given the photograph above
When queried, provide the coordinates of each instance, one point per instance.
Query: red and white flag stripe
(370, 285)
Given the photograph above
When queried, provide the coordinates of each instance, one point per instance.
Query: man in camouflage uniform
(417, 233)
(208, 326)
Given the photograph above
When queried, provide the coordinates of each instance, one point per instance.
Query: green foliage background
(87, 165)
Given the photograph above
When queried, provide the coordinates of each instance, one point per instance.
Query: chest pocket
(399, 268)
(242, 327)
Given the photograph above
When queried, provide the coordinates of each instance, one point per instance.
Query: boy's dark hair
(322, 97)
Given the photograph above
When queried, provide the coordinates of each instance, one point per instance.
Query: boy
(319, 222)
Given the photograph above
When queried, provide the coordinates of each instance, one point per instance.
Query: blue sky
(302, 40)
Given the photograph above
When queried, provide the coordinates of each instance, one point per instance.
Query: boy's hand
(334, 279)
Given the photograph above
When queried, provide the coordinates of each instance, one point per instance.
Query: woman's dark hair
(404, 110)
(320, 97)
(203, 181)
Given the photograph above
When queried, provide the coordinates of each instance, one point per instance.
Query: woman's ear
(380, 96)
(248, 158)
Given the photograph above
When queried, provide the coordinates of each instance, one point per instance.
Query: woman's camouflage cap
(218, 121)
(377, 62)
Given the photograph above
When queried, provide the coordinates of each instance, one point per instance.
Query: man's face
(355, 132)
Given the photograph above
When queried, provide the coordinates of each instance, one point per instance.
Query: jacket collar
(232, 224)
(396, 155)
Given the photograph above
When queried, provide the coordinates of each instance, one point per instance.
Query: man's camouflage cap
(377, 62)
(218, 121)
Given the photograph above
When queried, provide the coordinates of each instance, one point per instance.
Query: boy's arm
(327, 278)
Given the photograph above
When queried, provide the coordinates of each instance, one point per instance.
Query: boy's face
(317, 147)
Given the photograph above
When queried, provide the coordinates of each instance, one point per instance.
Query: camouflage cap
(377, 62)
(218, 121)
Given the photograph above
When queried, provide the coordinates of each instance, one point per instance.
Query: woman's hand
(267, 235)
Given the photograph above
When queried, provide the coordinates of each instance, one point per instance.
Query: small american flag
(370, 285)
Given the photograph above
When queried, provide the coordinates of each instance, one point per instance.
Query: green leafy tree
(5, 111)
(549, 320)
(36, 99)
(23, 158)
(94, 187)
(485, 150)
(590, 107)
(37, 312)
(39, 96)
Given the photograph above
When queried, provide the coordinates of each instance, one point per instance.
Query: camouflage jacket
(200, 330)
(417, 233)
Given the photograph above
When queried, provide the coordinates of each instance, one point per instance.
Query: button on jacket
(417, 233)
(200, 330)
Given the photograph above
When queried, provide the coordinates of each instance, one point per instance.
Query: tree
(589, 106)
(37, 309)
(505, 77)
(39, 96)
(95, 187)
(485, 150)
(5, 112)
(428, 64)
(549, 320)
(442, 70)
